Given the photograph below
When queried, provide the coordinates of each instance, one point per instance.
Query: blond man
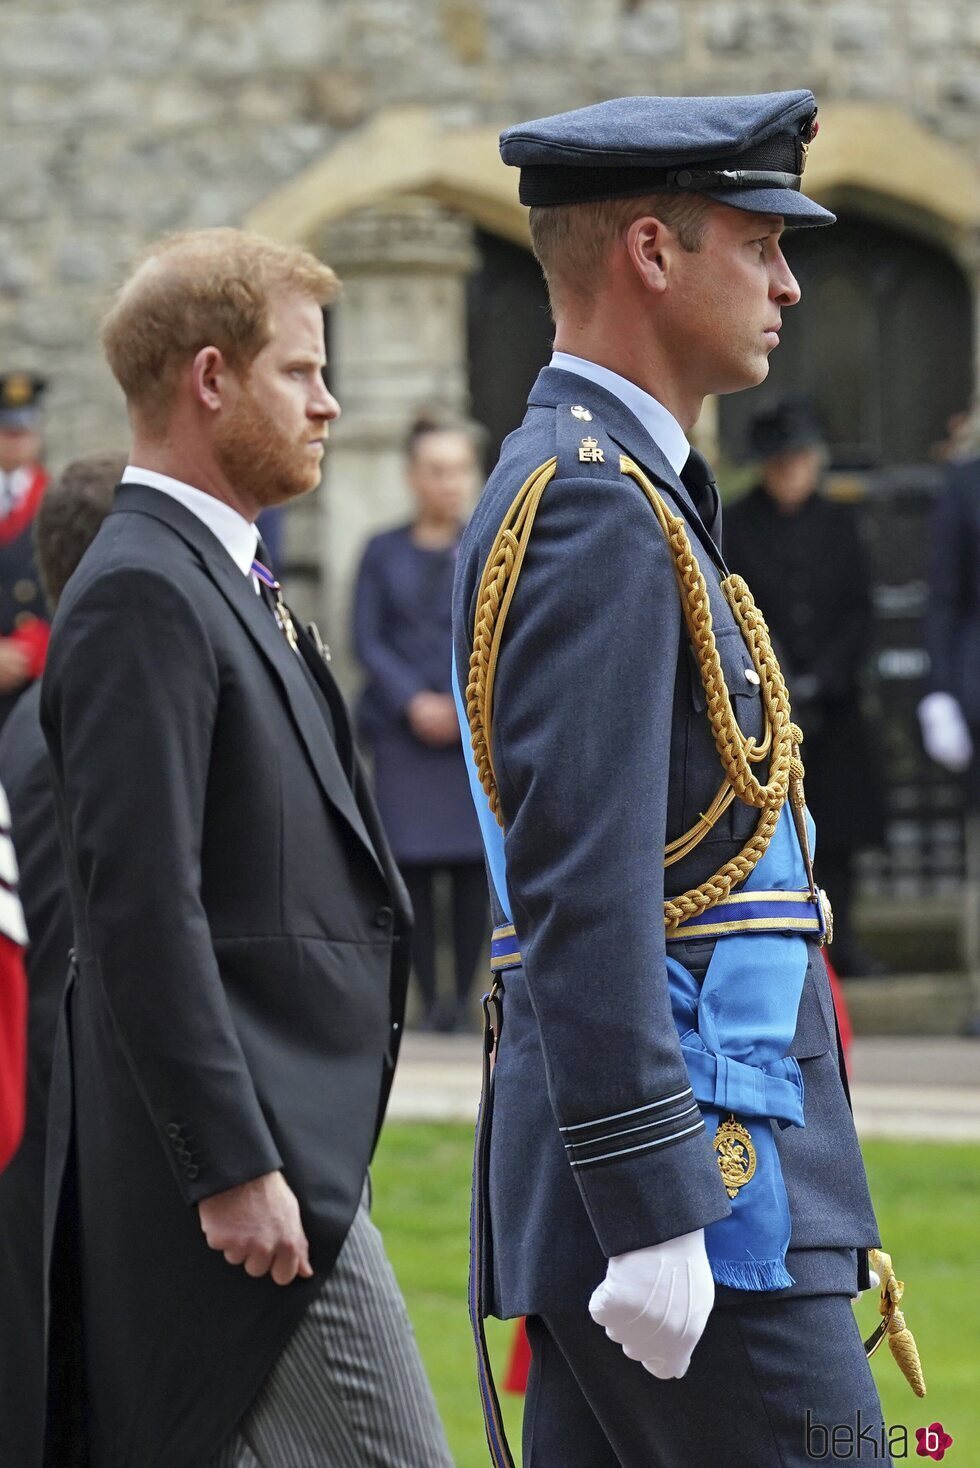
(240, 928)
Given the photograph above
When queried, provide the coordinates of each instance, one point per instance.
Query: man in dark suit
(71, 512)
(667, 1145)
(803, 556)
(240, 928)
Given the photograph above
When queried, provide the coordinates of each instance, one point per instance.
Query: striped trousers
(349, 1390)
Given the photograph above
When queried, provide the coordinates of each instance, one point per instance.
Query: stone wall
(121, 121)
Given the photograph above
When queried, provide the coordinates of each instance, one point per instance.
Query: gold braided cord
(901, 1341)
(737, 752)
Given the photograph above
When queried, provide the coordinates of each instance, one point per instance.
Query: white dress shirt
(661, 425)
(239, 537)
(14, 487)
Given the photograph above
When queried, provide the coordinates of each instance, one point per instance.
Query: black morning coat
(602, 752)
(242, 955)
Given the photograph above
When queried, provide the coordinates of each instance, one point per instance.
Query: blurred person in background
(403, 638)
(70, 514)
(949, 714)
(804, 561)
(13, 1001)
(23, 480)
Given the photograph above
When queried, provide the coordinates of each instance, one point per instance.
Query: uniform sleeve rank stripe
(642, 1147)
(636, 1111)
(647, 1126)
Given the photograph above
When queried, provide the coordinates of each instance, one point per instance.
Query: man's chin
(283, 493)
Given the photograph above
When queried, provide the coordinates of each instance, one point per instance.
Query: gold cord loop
(737, 752)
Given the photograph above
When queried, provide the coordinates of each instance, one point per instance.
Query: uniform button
(383, 917)
(25, 590)
(173, 1130)
(751, 676)
(192, 1171)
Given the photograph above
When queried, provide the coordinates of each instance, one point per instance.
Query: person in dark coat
(804, 561)
(70, 514)
(950, 711)
(23, 481)
(403, 638)
(241, 932)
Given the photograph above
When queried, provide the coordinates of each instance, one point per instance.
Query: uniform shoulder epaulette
(583, 448)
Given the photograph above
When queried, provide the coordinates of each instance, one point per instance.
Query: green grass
(928, 1202)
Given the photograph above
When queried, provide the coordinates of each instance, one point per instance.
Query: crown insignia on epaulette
(590, 452)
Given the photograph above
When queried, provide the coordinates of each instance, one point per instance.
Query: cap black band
(547, 184)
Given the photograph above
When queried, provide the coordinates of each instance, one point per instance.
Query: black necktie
(699, 482)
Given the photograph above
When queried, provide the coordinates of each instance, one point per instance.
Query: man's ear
(648, 245)
(209, 375)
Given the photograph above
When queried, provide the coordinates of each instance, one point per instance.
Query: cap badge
(579, 412)
(590, 452)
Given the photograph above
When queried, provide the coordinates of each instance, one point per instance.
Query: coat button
(751, 676)
(192, 1171)
(173, 1131)
(383, 917)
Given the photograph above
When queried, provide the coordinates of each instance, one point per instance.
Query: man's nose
(784, 289)
(324, 404)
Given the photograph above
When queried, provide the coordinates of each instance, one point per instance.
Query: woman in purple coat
(406, 716)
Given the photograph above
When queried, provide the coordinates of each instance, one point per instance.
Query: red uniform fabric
(13, 1047)
(23, 514)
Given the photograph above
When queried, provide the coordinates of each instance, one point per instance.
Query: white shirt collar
(661, 425)
(238, 536)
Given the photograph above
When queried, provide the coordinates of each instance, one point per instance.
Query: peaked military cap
(20, 394)
(749, 152)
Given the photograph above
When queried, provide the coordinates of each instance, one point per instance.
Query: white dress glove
(944, 732)
(655, 1303)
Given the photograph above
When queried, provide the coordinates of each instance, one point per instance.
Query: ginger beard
(260, 458)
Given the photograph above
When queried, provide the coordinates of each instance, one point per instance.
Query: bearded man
(241, 931)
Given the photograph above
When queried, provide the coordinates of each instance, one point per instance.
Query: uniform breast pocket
(703, 769)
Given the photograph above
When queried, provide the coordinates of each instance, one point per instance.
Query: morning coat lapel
(555, 386)
(260, 625)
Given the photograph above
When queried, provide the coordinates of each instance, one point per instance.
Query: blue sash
(735, 1029)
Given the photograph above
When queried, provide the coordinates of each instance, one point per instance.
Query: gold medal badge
(736, 1155)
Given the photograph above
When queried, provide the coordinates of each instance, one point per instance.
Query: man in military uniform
(23, 480)
(666, 1142)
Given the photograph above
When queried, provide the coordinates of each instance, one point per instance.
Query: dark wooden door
(510, 333)
(881, 340)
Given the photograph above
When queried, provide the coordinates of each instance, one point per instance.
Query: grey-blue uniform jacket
(602, 753)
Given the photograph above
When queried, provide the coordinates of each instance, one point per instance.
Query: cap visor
(795, 208)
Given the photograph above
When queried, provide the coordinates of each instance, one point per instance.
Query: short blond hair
(208, 287)
(571, 241)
